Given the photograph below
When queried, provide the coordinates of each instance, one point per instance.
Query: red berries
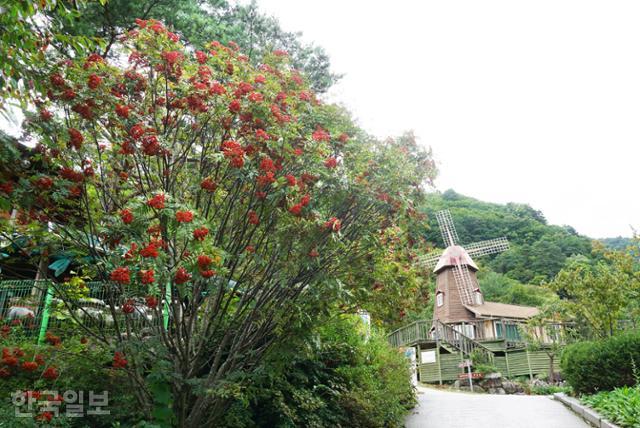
(157, 201)
(75, 138)
(29, 366)
(333, 224)
(207, 273)
(200, 233)
(146, 276)
(151, 301)
(128, 307)
(44, 183)
(320, 135)
(209, 185)
(253, 218)
(171, 57)
(331, 162)
(94, 81)
(181, 276)
(184, 216)
(121, 275)
(256, 97)
(119, 361)
(296, 210)
(234, 106)
(122, 111)
(204, 261)
(262, 135)
(150, 250)
(201, 57)
(45, 115)
(234, 152)
(126, 216)
(136, 131)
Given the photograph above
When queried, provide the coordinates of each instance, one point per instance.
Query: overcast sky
(535, 102)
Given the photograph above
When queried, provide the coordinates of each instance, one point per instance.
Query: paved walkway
(445, 409)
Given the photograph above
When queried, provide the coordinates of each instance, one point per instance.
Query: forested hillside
(538, 250)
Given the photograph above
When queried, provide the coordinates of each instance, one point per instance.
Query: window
(440, 298)
(478, 296)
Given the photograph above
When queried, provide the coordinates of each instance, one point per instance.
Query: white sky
(535, 102)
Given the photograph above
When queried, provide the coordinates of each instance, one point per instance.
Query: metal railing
(34, 307)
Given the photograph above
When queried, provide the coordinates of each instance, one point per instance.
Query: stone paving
(446, 409)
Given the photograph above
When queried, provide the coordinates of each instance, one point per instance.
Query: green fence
(35, 307)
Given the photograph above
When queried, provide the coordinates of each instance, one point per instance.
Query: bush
(602, 365)
(70, 364)
(548, 389)
(621, 406)
(336, 378)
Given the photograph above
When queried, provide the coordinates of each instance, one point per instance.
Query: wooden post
(438, 361)
(506, 359)
(529, 364)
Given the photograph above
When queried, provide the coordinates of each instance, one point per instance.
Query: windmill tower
(457, 287)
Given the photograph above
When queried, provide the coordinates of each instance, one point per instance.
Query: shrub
(548, 389)
(621, 406)
(337, 378)
(72, 364)
(602, 365)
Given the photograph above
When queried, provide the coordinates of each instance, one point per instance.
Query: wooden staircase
(445, 335)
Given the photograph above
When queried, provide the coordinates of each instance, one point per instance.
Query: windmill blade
(430, 260)
(464, 283)
(483, 248)
(447, 228)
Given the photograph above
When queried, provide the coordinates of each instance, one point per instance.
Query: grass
(620, 406)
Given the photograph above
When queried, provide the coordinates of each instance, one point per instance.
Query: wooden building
(464, 324)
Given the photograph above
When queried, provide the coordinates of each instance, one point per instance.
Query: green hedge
(602, 365)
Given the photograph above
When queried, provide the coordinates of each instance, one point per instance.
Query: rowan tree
(220, 196)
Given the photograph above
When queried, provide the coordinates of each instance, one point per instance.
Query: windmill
(458, 258)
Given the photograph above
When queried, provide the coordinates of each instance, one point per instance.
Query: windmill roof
(503, 310)
(453, 256)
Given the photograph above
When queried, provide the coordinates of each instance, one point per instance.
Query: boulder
(512, 387)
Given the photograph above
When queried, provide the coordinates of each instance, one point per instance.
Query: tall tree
(599, 291)
(225, 193)
(201, 21)
(27, 29)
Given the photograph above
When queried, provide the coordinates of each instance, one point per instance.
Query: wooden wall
(511, 364)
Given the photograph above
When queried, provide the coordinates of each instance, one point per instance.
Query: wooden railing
(410, 334)
(447, 334)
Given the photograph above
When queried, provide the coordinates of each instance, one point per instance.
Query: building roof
(503, 310)
(453, 256)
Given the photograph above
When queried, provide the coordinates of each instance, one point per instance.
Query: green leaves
(621, 406)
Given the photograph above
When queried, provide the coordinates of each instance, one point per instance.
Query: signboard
(465, 363)
(427, 357)
(470, 375)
